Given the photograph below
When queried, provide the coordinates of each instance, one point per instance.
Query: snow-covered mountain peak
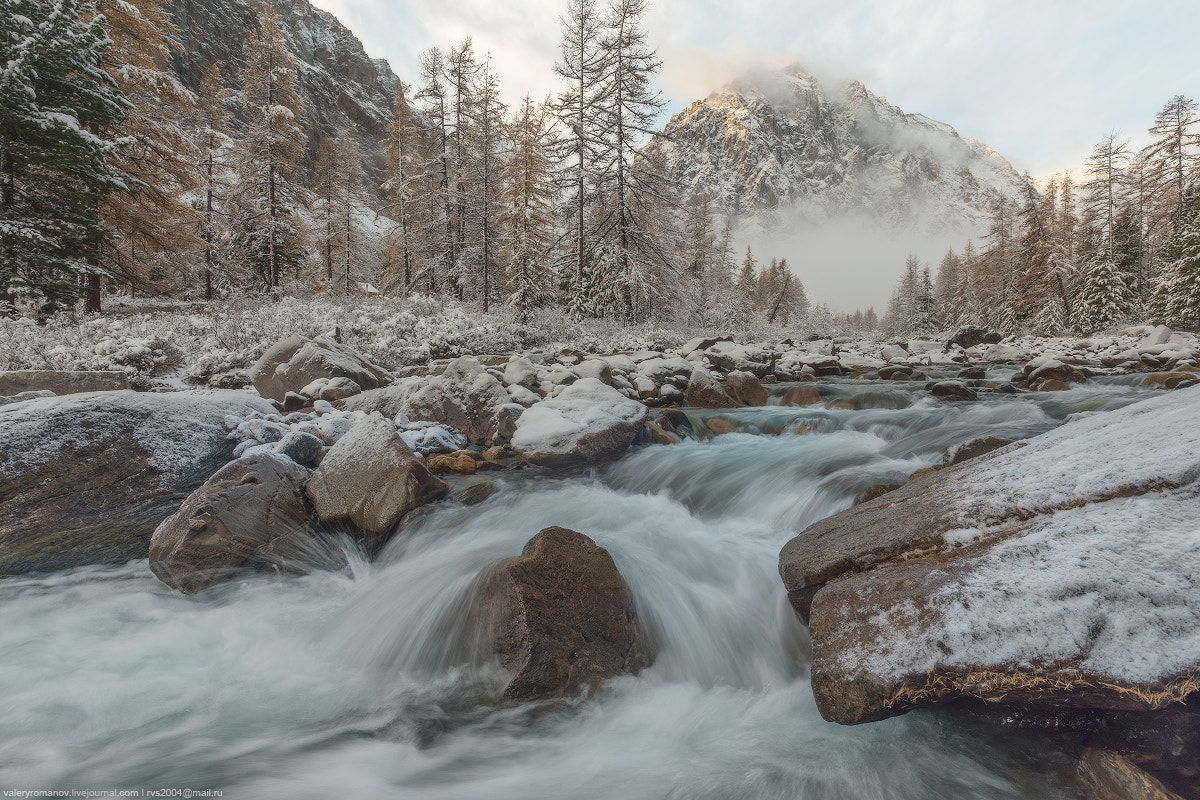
(783, 142)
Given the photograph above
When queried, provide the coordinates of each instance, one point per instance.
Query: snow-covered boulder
(1057, 571)
(464, 397)
(893, 352)
(790, 365)
(294, 362)
(594, 368)
(587, 422)
(520, 371)
(727, 357)
(86, 478)
(661, 370)
(1160, 335)
(1004, 354)
(371, 478)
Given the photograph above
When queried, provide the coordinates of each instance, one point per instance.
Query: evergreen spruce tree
(1176, 299)
(1105, 292)
(945, 287)
(746, 287)
(54, 168)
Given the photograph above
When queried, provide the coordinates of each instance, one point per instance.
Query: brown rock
(1056, 371)
(456, 464)
(703, 391)
(560, 618)
(1168, 380)
(720, 426)
(802, 397)
(972, 336)
(371, 478)
(248, 517)
(952, 390)
(656, 435)
(974, 448)
(496, 453)
(746, 388)
(1106, 775)
(86, 478)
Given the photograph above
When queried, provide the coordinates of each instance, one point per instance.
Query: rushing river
(358, 684)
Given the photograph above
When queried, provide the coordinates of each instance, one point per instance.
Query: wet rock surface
(1052, 574)
(560, 618)
(249, 517)
(86, 478)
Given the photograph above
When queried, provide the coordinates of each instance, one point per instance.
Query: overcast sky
(1040, 81)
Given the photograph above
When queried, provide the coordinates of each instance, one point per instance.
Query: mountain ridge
(783, 145)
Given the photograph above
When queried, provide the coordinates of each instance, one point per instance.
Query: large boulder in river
(293, 363)
(371, 478)
(586, 423)
(705, 391)
(85, 479)
(248, 517)
(560, 618)
(1058, 572)
(746, 388)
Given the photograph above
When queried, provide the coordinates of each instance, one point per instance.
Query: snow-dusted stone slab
(665, 368)
(60, 381)
(587, 422)
(1053, 571)
(466, 397)
(1090, 607)
(372, 478)
(86, 478)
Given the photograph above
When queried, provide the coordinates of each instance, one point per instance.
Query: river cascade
(363, 683)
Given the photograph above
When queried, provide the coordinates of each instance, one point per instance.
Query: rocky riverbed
(399, 512)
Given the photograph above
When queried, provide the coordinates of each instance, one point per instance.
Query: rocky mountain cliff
(784, 146)
(343, 89)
